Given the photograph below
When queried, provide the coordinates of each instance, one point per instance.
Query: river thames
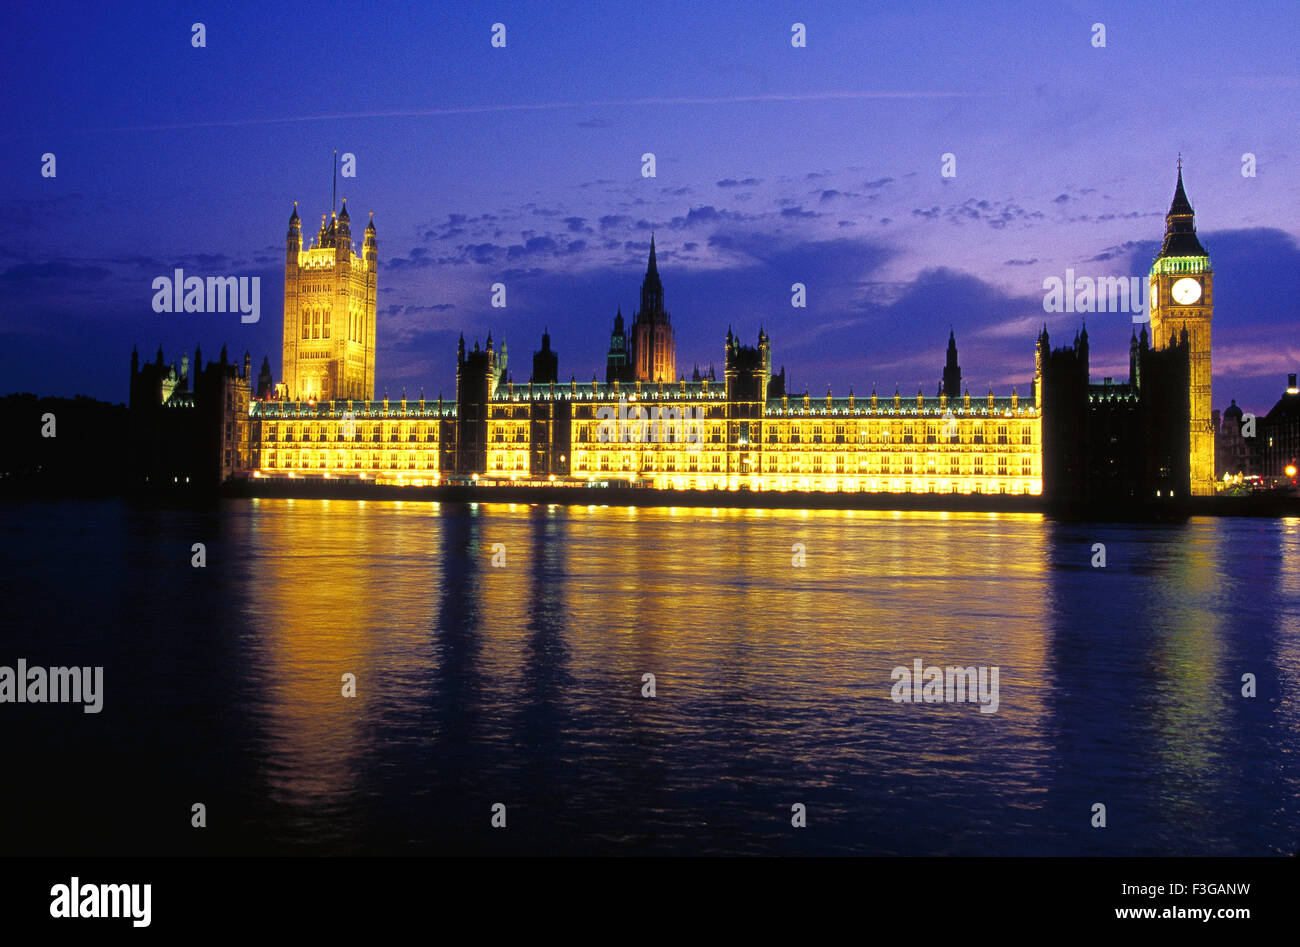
(500, 654)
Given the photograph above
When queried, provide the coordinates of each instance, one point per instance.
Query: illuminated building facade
(642, 426)
(329, 312)
(680, 435)
(1182, 300)
(646, 425)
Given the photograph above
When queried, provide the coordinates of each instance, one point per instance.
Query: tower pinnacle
(1180, 224)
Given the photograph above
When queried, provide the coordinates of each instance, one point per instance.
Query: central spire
(650, 346)
(652, 290)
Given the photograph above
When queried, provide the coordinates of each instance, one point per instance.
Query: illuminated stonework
(743, 434)
(1182, 297)
(396, 442)
(679, 437)
(746, 433)
(916, 445)
(329, 313)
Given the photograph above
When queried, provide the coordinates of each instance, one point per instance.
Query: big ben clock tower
(1182, 297)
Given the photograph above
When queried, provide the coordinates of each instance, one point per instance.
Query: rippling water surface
(522, 684)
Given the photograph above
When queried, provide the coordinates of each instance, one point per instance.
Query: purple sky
(775, 165)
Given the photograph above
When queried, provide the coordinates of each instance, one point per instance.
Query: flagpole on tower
(334, 195)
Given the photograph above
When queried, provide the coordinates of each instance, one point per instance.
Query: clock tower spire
(1182, 298)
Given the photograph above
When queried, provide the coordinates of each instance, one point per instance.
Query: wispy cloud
(833, 95)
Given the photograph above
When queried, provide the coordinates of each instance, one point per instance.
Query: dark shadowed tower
(951, 370)
(546, 364)
(618, 361)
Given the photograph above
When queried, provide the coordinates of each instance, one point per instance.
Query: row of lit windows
(584, 462)
(593, 410)
(952, 465)
(854, 485)
(337, 430)
(877, 432)
(874, 454)
(314, 324)
(503, 460)
(355, 460)
(691, 431)
(515, 432)
(665, 432)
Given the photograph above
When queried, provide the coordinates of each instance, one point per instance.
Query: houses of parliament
(646, 424)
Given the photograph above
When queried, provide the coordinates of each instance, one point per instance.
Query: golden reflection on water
(590, 599)
(1187, 670)
(334, 588)
(1196, 663)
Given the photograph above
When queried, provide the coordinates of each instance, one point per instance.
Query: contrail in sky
(545, 106)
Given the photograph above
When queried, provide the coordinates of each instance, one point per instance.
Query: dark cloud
(531, 246)
(1124, 250)
(417, 258)
(61, 271)
(744, 182)
(456, 225)
(400, 310)
(483, 252)
(997, 214)
(707, 214)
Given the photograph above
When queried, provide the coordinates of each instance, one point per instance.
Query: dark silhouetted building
(1116, 441)
(189, 424)
(1279, 437)
(951, 370)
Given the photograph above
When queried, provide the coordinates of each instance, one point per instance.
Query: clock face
(1186, 291)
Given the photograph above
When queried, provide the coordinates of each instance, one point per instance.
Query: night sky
(775, 165)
